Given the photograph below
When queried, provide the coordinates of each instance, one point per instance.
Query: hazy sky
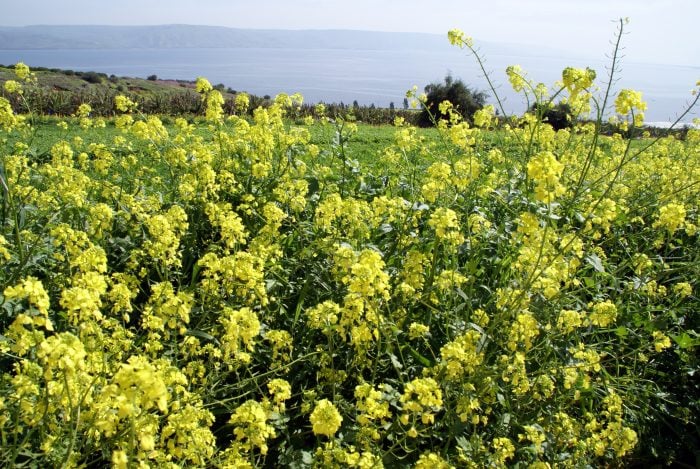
(662, 31)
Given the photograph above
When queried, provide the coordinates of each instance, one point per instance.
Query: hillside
(69, 80)
(61, 91)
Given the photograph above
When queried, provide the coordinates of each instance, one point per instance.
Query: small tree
(464, 99)
(559, 116)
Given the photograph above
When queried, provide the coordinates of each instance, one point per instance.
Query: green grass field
(366, 145)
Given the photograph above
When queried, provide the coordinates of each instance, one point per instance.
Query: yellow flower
(671, 217)
(12, 86)
(455, 36)
(683, 289)
(4, 253)
(516, 76)
(460, 357)
(8, 119)
(214, 102)
(522, 331)
(422, 394)
(22, 71)
(569, 320)
(280, 390)
(119, 460)
(202, 85)
(325, 418)
(482, 117)
(577, 78)
(323, 315)
(629, 100)
(142, 384)
(62, 353)
(431, 461)
(241, 102)
(661, 341)
(449, 279)
(503, 449)
(371, 403)
(417, 330)
(84, 110)
(32, 289)
(240, 328)
(368, 280)
(603, 314)
(446, 225)
(535, 435)
(282, 344)
(124, 104)
(546, 170)
(250, 426)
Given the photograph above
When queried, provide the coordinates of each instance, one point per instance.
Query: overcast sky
(661, 31)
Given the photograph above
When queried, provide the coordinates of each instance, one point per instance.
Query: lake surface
(368, 76)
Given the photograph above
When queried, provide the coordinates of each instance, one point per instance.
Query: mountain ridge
(201, 36)
(186, 36)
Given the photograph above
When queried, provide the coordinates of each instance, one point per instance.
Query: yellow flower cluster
(124, 104)
(458, 38)
(325, 418)
(250, 426)
(447, 228)
(462, 356)
(546, 171)
(603, 314)
(464, 300)
(373, 409)
(671, 217)
(240, 327)
(421, 397)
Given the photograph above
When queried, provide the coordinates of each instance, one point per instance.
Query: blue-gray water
(368, 76)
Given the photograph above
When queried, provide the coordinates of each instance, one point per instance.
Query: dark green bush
(559, 116)
(93, 77)
(465, 100)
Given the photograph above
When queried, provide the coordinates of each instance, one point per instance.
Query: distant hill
(188, 36)
(191, 36)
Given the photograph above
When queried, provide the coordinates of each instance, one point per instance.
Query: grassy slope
(59, 80)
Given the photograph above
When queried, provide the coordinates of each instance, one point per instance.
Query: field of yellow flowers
(246, 298)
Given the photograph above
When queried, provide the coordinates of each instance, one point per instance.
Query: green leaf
(202, 335)
(595, 262)
(684, 341)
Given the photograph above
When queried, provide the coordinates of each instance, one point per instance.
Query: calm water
(368, 76)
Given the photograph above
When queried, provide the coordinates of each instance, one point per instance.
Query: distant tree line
(45, 101)
(48, 101)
